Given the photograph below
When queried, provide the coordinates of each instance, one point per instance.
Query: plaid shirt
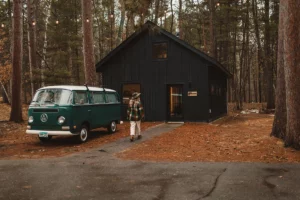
(135, 110)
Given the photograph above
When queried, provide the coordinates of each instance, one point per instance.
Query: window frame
(155, 56)
(80, 91)
(129, 97)
(111, 93)
(97, 92)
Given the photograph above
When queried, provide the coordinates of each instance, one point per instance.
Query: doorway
(175, 102)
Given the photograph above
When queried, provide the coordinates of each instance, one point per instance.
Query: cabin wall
(217, 94)
(134, 64)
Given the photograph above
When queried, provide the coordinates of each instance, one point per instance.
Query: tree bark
(291, 45)
(260, 52)
(268, 57)
(172, 16)
(122, 21)
(43, 64)
(31, 10)
(88, 46)
(70, 64)
(112, 25)
(213, 48)
(16, 102)
(180, 20)
(280, 119)
(157, 11)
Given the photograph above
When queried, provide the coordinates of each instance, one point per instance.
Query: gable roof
(146, 27)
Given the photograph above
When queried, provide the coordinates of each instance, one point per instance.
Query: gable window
(127, 91)
(160, 51)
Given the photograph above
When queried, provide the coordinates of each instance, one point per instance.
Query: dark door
(175, 103)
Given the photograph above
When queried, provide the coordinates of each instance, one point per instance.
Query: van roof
(74, 87)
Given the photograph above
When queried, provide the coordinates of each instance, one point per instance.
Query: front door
(175, 102)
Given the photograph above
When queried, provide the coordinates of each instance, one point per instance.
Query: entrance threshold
(174, 122)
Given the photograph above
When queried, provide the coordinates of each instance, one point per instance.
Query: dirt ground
(234, 138)
(16, 144)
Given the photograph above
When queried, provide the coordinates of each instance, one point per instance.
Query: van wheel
(112, 127)
(45, 139)
(83, 134)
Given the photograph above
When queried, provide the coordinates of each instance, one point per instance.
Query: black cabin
(177, 81)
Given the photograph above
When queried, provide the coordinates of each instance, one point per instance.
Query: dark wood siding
(218, 102)
(134, 64)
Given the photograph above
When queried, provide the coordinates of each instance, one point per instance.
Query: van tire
(45, 139)
(112, 128)
(83, 134)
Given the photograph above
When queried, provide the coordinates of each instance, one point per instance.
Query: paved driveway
(97, 174)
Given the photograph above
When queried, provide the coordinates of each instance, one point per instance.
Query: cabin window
(127, 91)
(98, 97)
(112, 98)
(81, 97)
(160, 51)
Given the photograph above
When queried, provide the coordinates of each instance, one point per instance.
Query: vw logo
(44, 117)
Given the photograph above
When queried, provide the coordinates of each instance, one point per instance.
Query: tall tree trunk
(156, 11)
(180, 20)
(70, 63)
(88, 46)
(31, 11)
(43, 61)
(122, 21)
(112, 24)
(235, 80)
(260, 52)
(172, 16)
(77, 50)
(254, 83)
(268, 58)
(247, 59)
(213, 48)
(99, 28)
(241, 80)
(280, 119)
(291, 43)
(16, 102)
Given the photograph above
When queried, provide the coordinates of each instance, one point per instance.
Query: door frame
(168, 117)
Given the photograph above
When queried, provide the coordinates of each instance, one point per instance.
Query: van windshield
(52, 96)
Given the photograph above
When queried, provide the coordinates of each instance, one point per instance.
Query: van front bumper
(36, 132)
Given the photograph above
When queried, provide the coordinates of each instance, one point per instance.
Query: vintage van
(73, 110)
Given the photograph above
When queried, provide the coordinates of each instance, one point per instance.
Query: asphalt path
(98, 174)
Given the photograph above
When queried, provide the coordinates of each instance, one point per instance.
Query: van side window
(81, 97)
(98, 97)
(112, 98)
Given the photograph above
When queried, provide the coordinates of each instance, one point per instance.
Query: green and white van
(73, 110)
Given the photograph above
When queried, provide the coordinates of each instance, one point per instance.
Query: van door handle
(89, 110)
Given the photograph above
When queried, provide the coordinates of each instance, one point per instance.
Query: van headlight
(30, 119)
(61, 119)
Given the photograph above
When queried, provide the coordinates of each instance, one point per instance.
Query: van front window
(52, 96)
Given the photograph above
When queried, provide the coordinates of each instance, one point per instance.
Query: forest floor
(234, 138)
